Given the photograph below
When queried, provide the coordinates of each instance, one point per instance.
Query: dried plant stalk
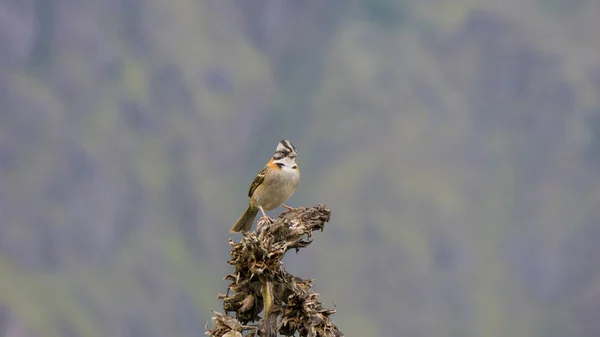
(260, 283)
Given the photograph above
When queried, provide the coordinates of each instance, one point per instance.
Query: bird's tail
(244, 223)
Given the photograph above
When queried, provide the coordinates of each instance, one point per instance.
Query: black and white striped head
(285, 155)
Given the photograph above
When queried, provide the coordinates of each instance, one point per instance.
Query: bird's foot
(289, 208)
(264, 215)
(267, 219)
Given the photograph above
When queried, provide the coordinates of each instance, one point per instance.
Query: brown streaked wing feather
(260, 177)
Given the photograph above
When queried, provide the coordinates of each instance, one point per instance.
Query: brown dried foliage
(260, 282)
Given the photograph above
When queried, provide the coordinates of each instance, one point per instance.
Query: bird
(272, 186)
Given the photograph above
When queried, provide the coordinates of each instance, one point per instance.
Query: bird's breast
(277, 187)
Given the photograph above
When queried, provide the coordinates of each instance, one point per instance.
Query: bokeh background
(457, 144)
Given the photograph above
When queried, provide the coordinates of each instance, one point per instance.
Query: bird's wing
(260, 177)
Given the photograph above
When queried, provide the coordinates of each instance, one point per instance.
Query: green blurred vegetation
(456, 144)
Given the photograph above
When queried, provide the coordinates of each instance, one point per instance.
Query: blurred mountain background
(456, 143)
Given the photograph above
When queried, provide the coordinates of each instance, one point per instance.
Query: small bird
(272, 186)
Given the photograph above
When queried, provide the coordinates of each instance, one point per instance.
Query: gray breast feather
(277, 188)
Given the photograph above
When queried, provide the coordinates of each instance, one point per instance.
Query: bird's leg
(264, 214)
(288, 208)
